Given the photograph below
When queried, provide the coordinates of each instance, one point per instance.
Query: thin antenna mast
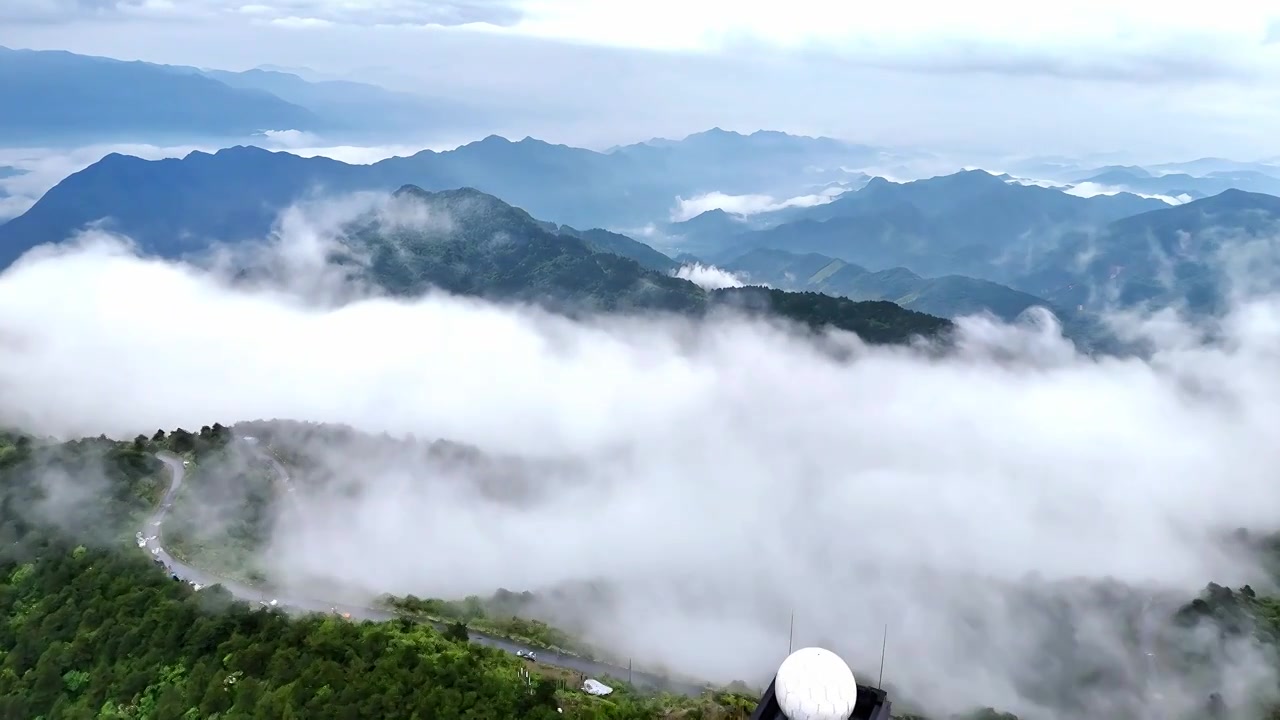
(883, 644)
(792, 635)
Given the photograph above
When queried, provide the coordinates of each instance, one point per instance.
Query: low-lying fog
(719, 484)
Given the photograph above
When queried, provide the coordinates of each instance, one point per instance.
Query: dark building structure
(873, 704)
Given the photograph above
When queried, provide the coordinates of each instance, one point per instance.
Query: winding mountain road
(152, 534)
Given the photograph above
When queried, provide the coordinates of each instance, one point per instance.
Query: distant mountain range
(968, 223)
(237, 192)
(763, 162)
(353, 108)
(1063, 171)
(56, 97)
(176, 207)
(1209, 165)
(948, 245)
(1193, 255)
(493, 250)
(1175, 185)
(1006, 247)
(948, 296)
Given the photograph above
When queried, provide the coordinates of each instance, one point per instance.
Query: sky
(1145, 78)
(926, 492)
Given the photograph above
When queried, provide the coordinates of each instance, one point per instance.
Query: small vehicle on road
(527, 655)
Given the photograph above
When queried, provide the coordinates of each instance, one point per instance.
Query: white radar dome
(815, 684)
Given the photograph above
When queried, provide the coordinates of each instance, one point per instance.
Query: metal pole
(629, 682)
(792, 635)
(883, 644)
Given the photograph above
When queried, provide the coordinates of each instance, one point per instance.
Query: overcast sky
(1160, 80)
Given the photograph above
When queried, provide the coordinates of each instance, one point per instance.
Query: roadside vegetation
(498, 616)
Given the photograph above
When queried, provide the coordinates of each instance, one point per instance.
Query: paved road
(153, 541)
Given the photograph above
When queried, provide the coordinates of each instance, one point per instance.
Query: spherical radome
(815, 684)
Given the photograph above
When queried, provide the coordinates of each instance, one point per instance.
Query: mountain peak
(241, 151)
(491, 141)
(1235, 199)
(712, 213)
(715, 133)
(410, 191)
(715, 217)
(461, 193)
(977, 174)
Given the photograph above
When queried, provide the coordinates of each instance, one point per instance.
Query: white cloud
(728, 476)
(290, 139)
(285, 13)
(368, 154)
(1138, 40)
(1235, 32)
(1000, 71)
(709, 277)
(1090, 189)
(291, 21)
(751, 204)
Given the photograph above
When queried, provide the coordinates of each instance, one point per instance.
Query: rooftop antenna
(792, 635)
(883, 644)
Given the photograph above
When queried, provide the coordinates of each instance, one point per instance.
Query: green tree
(457, 631)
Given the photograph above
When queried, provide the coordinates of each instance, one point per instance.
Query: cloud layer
(754, 204)
(709, 277)
(1137, 41)
(662, 69)
(724, 477)
(290, 13)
